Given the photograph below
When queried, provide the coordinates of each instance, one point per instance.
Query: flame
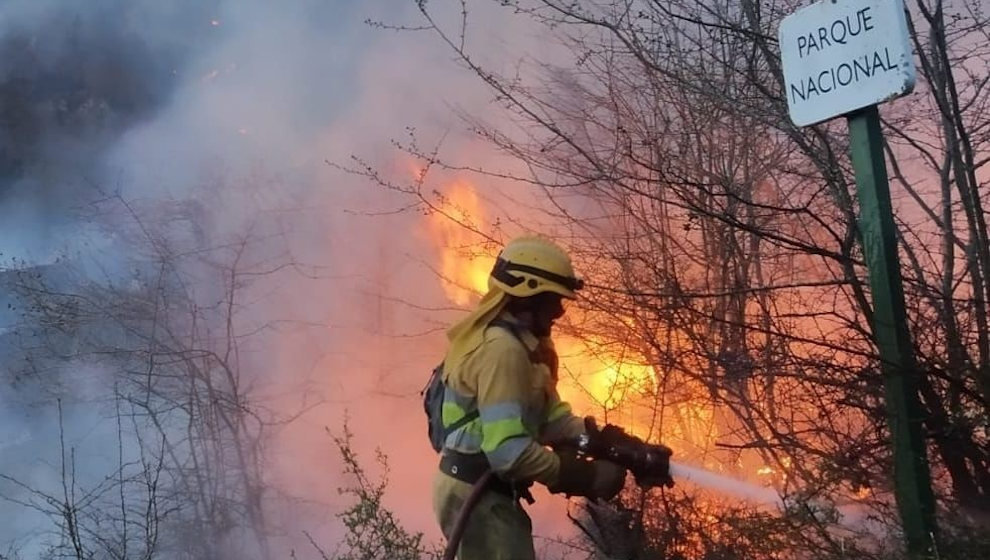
(691, 429)
(606, 379)
(464, 266)
(595, 378)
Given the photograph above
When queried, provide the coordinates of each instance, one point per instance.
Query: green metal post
(912, 480)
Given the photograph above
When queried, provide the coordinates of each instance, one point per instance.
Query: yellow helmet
(531, 265)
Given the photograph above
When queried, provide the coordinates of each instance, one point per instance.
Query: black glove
(596, 479)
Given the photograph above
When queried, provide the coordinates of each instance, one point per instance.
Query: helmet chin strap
(527, 319)
(540, 331)
(526, 312)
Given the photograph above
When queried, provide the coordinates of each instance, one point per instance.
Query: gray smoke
(190, 123)
(211, 121)
(74, 77)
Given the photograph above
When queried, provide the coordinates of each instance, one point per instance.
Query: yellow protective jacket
(512, 381)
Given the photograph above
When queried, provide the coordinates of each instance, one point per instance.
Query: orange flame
(595, 381)
(464, 266)
(588, 377)
(606, 379)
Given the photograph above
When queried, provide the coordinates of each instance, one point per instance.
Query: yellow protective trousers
(498, 528)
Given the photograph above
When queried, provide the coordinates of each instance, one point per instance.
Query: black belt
(469, 467)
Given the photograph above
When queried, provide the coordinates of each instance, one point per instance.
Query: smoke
(215, 119)
(73, 78)
(209, 122)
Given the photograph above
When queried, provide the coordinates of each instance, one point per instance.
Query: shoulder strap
(464, 421)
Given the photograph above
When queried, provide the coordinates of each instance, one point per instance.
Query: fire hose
(649, 464)
(462, 517)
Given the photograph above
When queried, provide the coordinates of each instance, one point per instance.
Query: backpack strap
(464, 421)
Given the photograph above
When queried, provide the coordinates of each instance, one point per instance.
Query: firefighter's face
(547, 307)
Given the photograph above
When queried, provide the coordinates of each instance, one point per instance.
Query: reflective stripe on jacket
(512, 383)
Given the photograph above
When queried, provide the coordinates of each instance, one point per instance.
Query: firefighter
(501, 363)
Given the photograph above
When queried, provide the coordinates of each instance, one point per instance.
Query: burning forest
(239, 236)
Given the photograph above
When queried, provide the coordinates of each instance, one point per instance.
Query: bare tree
(174, 328)
(725, 239)
(118, 517)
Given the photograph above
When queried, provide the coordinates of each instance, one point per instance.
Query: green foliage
(373, 533)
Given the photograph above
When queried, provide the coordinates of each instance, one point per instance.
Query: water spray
(726, 485)
(651, 466)
(846, 517)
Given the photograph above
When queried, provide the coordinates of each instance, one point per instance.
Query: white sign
(843, 55)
